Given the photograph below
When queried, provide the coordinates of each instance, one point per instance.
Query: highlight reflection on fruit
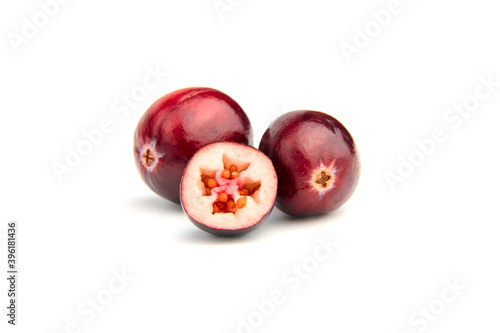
(316, 161)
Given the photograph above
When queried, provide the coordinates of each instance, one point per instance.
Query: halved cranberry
(228, 189)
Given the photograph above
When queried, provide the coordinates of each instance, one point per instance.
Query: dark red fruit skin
(179, 124)
(228, 232)
(299, 142)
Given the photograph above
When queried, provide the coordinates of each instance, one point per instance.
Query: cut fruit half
(228, 189)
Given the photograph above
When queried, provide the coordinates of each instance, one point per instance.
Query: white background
(397, 247)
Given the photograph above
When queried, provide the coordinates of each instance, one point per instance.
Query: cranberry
(228, 189)
(176, 126)
(316, 160)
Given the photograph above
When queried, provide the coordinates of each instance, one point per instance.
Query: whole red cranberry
(316, 161)
(176, 126)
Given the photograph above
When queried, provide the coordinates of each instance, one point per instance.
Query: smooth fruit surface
(176, 126)
(228, 189)
(316, 160)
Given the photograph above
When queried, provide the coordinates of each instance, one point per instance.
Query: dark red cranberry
(228, 189)
(316, 160)
(176, 126)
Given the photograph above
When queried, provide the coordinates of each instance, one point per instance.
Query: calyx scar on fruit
(176, 126)
(316, 160)
(228, 189)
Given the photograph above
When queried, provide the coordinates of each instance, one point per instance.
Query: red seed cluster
(226, 204)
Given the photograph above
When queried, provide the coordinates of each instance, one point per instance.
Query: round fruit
(316, 160)
(228, 189)
(176, 126)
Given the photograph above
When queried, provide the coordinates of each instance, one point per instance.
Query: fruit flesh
(316, 160)
(176, 126)
(228, 189)
(232, 206)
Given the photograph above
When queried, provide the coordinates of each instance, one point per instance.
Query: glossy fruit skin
(180, 123)
(227, 232)
(300, 142)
